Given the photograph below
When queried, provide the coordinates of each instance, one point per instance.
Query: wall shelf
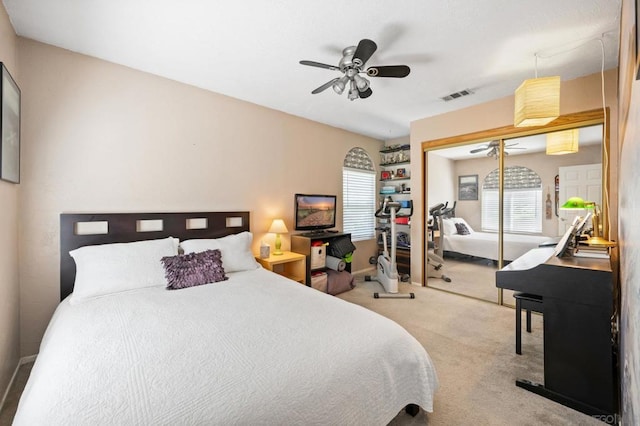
(399, 163)
(395, 149)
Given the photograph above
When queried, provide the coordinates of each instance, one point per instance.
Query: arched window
(522, 201)
(358, 195)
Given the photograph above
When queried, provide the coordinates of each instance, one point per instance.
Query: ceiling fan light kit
(563, 142)
(537, 102)
(352, 65)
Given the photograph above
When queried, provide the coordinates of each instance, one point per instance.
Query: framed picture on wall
(10, 128)
(385, 175)
(468, 187)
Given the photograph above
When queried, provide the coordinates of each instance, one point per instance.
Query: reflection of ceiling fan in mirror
(493, 148)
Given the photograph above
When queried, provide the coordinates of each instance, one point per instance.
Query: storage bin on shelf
(318, 256)
(319, 281)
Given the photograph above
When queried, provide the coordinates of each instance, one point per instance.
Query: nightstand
(288, 264)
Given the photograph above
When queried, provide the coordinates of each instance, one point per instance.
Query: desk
(579, 347)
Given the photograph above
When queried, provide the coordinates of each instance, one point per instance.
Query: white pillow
(235, 250)
(112, 268)
(448, 227)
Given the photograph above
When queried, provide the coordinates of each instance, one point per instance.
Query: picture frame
(401, 172)
(468, 188)
(9, 128)
(385, 175)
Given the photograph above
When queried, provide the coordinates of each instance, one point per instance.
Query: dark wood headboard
(128, 227)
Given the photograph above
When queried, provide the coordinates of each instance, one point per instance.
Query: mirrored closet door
(467, 181)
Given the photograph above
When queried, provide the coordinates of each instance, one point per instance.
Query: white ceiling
(251, 49)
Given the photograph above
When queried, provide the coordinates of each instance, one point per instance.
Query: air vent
(456, 95)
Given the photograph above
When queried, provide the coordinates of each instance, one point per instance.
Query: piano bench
(528, 302)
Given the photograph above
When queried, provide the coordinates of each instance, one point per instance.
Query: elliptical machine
(386, 263)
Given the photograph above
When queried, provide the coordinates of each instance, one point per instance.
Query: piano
(580, 361)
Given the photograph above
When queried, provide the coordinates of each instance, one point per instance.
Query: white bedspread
(256, 349)
(485, 244)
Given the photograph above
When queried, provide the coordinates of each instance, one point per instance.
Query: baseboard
(362, 271)
(27, 359)
(21, 361)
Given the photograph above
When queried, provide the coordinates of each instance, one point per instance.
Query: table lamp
(577, 203)
(278, 227)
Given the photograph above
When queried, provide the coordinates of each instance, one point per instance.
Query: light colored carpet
(11, 403)
(471, 343)
(471, 277)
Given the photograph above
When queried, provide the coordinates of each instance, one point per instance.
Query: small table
(288, 264)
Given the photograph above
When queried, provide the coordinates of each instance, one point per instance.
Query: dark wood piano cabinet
(580, 368)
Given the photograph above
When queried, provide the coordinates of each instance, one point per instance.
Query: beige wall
(581, 94)
(441, 176)
(629, 190)
(103, 137)
(9, 284)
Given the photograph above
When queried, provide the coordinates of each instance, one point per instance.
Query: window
(358, 195)
(522, 201)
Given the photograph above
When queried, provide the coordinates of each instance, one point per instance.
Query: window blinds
(358, 203)
(522, 210)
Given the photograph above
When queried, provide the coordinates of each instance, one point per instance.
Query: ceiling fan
(494, 148)
(352, 65)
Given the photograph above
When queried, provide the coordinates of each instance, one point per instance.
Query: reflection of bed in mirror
(485, 244)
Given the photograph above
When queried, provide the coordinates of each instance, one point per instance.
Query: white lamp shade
(278, 227)
(563, 142)
(537, 102)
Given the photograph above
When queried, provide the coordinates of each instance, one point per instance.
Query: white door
(583, 181)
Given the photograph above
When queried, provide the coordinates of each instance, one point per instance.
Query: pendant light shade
(537, 102)
(562, 142)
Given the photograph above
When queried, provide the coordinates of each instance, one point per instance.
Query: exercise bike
(386, 263)
(435, 251)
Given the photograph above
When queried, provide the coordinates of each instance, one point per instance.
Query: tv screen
(315, 212)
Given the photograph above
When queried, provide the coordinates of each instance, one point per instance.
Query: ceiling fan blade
(325, 86)
(366, 48)
(397, 71)
(365, 93)
(319, 65)
(480, 149)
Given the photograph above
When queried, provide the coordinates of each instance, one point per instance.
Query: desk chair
(528, 302)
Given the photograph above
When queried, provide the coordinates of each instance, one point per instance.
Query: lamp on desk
(577, 203)
(278, 227)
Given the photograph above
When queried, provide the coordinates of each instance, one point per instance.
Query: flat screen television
(315, 212)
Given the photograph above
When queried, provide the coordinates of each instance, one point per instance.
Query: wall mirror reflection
(462, 233)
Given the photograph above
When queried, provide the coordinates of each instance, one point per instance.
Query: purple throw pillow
(189, 270)
(462, 229)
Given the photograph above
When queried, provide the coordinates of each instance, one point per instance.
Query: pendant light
(563, 142)
(537, 101)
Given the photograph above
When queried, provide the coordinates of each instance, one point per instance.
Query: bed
(485, 244)
(251, 348)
